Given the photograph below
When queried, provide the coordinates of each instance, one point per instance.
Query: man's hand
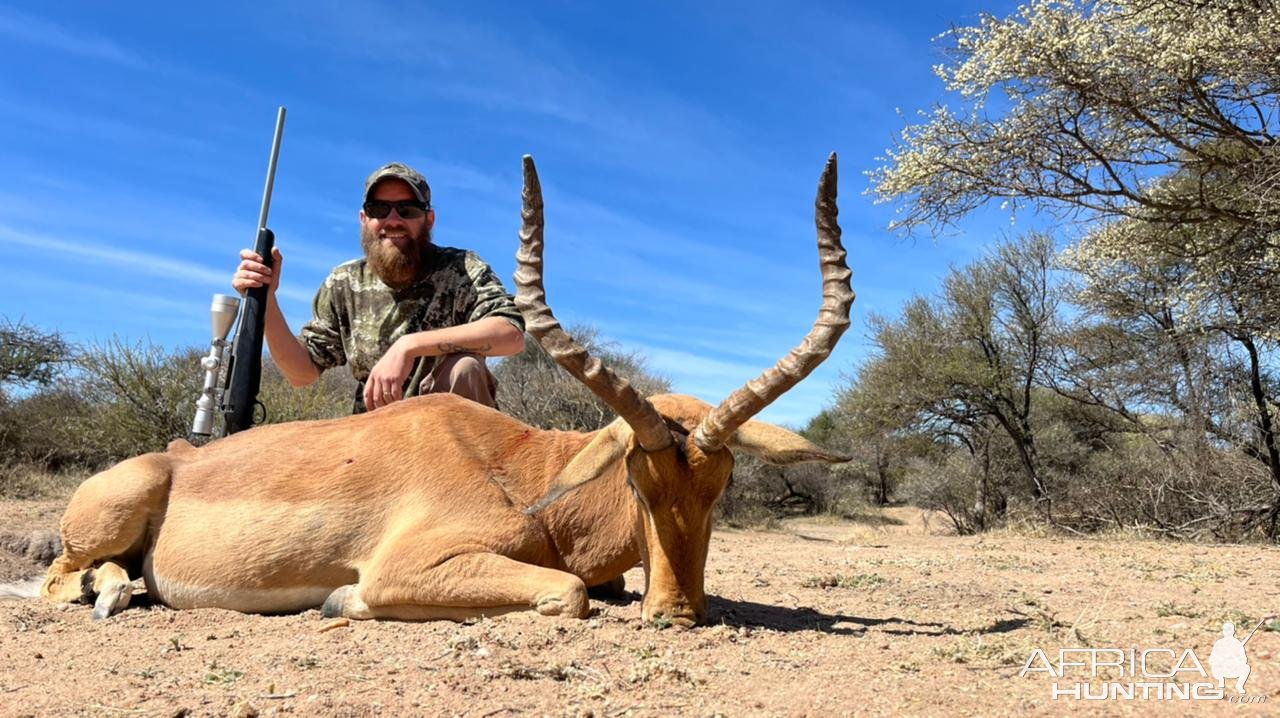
(253, 273)
(386, 380)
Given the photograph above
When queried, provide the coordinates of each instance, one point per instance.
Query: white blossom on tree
(1083, 106)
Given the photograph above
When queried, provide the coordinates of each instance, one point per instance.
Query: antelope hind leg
(471, 585)
(108, 517)
(109, 582)
(65, 583)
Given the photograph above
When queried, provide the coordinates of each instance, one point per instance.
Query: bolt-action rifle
(244, 365)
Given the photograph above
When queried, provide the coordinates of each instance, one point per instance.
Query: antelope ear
(601, 453)
(777, 446)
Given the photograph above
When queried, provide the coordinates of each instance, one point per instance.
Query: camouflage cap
(403, 172)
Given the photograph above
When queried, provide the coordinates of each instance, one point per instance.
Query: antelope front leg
(466, 586)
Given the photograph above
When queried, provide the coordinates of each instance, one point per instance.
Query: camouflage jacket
(356, 318)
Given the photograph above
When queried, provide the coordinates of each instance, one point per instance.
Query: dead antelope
(440, 508)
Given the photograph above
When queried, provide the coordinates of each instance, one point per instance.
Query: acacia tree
(1135, 351)
(975, 357)
(1077, 105)
(870, 420)
(29, 355)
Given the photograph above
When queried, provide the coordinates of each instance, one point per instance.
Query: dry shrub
(1215, 493)
(533, 388)
(41, 430)
(140, 397)
(30, 356)
(144, 397)
(28, 481)
(330, 397)
(1132, 485)
(759, 494)
(129, 399)
(949, 487)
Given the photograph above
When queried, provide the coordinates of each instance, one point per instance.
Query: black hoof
(333, 605)
(111, 601)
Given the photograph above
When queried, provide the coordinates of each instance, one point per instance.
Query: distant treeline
(1089, 403)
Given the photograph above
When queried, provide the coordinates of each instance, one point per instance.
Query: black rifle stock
(244, 375)
(245, 371)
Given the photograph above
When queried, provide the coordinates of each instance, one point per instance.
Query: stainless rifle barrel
(271, 169)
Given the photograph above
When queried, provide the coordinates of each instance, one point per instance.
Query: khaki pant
(463, 374)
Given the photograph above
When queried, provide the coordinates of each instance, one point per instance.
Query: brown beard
(396, 269)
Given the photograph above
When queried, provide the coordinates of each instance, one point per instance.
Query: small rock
(44, 547)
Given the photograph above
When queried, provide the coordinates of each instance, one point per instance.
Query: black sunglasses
(406, 208)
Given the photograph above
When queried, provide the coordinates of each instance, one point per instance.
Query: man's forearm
(491, 337)
(286, 349)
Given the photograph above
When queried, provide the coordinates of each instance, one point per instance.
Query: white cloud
(175, 270)
(38, 31)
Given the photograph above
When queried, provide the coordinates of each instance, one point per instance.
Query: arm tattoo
(449, 348)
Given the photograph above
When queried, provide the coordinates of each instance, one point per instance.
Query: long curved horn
(651, 431)
(833, 320)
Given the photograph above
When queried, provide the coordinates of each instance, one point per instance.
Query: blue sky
(679, 147)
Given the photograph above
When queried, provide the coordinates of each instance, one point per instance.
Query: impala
(439, 508)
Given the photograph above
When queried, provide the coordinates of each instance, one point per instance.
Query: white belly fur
(177, 594)
(244, 600)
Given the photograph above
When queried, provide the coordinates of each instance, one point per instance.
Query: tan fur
(414, 511)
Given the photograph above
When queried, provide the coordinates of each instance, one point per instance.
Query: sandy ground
(887, 616)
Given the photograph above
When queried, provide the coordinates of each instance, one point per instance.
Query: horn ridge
(832, 321)
(531, 298)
